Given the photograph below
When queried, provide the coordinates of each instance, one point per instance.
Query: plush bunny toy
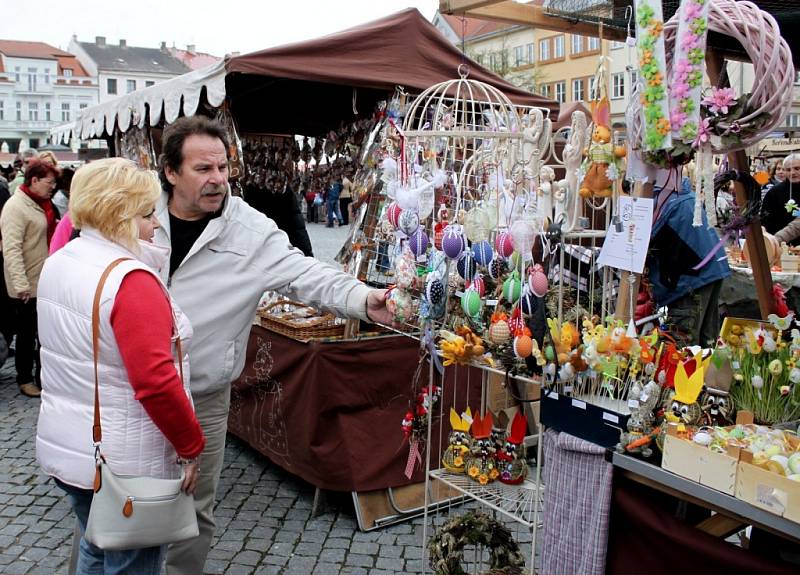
(601, 155)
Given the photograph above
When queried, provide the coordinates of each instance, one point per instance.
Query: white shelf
(514, 501)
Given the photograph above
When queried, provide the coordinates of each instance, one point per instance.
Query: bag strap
(97, 432)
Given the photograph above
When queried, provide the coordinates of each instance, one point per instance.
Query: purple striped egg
(453, 242)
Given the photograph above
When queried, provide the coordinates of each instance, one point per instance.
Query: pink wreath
(758, 32)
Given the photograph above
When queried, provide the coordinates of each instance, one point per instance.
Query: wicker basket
(285, 320)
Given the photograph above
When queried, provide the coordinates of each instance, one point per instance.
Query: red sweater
(142, 322)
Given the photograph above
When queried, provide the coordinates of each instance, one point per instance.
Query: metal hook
(629, 17)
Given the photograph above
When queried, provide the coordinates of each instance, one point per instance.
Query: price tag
(552, 395)
(633, 403)
(579, 404)
(567, 389)
(610, 417)
(735, 365)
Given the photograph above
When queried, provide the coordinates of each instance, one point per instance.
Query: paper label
(627, 249)
(567, 389)
(773, 499)
(610, 417)
(633, 403)
(579, 404)
(552, 395)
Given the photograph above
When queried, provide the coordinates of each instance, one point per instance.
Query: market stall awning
(174, 96)
(401, 49)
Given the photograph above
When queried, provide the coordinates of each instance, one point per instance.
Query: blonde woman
(149, 425)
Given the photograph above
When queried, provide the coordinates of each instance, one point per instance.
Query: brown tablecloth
(331, 412)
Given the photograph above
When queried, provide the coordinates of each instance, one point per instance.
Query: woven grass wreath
(446, 547)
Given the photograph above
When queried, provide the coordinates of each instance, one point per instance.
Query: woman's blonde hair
(48, 156)
(108, 194)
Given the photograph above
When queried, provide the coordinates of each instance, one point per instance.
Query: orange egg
(523, 346)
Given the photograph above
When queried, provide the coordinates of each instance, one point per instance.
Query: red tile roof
(23, 49)
(195, 60)
(71, 62)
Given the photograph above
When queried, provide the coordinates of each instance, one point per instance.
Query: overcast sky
(216, 27)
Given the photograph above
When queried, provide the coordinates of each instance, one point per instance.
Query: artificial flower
(652, 113)
(493, 474)
(791, 206)
(655, 79)
(794, 375)
(696, 55)
(688, 105)
(775, 367)
(653, 138)
(785, 390)
(698, 26)
(692, 10)
(703, 136)
(663, 126)
(689, 131)
(695, 78)
(680, 90)
(483, 479)
(690, 41)
(645, 14)
(474, 472)
(656, 27)
(719, 100)
(757, 381)
(458, 461)
(647, 57)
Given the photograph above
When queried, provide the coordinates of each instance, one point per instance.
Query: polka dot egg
(496, 268)
(434, 291)
(466, 266)
(478, 284)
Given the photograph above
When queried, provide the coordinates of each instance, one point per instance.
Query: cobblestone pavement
(264, 514)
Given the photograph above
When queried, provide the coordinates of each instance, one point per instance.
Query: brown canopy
(316, 79)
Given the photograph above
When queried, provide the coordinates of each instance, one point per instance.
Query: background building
(122, 69)
(40, 87)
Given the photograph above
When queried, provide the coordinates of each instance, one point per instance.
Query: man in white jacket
(224, 256)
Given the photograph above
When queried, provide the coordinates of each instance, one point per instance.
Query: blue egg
(482, 252)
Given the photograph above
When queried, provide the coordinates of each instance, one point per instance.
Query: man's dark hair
(175, 135)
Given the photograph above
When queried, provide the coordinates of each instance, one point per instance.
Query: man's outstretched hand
(376, 307)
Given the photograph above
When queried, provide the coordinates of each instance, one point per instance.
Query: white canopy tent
(172, 96)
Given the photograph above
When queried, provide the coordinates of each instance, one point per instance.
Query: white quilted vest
(132, 444)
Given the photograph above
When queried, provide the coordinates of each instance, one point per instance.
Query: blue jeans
(94, 561)
(334, 210)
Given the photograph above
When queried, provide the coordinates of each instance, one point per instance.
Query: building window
(19, 111)
(577, 90)
(594, 44)
(544, 50)
(558, 49)
(111, 85)
(2, 110)
(17, 71)
(519, 55)
(478, 59)
(46, 75)
(33, 111)
(68, 72)
(47, 115)
(545, 90)
(131, 86)
(65, 112)
(561, 91)
(530, 52)
(31, 79)
(618, 85)
(83, 105)
(793, 121)
(493, 61)
(577, 44)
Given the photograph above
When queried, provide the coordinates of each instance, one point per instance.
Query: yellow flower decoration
(663, 126)
(656, 79)
(493, 474)
(656, 27)
(647, 57)
(483, 479)
(458, 461)
(473, 472)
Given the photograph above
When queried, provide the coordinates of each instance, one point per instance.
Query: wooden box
(768, 490)
(698, 463)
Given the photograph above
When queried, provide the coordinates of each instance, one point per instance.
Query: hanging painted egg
(516, 323)
(453, 242)
(499, 332)
(471, 303)
(537, 281)
(476, 225)
(497, 268)
(418, 242)
(438, 234)
(400, 305)
(434, 291)
(512, 288)
(406, 270)
(523, 235)
(523, 346)
(393, 214)
(466, 266)
(504, 244)
(408, 222)
(478, 284)
(483, 253)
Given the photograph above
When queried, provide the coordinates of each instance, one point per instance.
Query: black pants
(344, 205)
(8, 311)
(27, 350)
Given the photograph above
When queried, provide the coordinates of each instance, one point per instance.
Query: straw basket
(299, 321)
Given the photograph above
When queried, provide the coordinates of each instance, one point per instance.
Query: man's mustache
(211, 190)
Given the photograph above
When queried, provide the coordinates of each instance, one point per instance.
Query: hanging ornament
(439, 227)
(489, 208)
(537, 281)
(523, 235)
(406, 271)
(512, 287)
(478, 284)
(434, 290)
(408, 197)
(466, 266)
(453, 242)
(418, 242)
(523, 346)
(393, 214)
(499, 332)
(471, 303)
(482, 252)
(400, 305)
(476, 225)
(497, 268)
(504, 244)
(516, 322)
(408, 222)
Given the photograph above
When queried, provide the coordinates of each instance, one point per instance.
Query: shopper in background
(224, 256)
(25, 158)
(333, 194)
(149, 426)
(27, 224)
(774, 215)
(346, 197)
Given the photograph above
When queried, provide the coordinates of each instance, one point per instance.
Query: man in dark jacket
(774, 215)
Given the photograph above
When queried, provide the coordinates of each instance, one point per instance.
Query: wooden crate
(768, 491)
(698, 463)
